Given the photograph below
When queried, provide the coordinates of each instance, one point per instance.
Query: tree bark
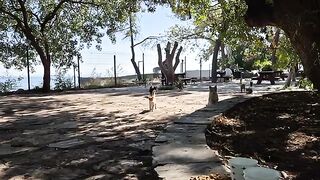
(166, 66)
(214, 66)
(223, 54)
(45, 58)
(46, 76)
(289, 79)
(177, 62)
(133, 58)
(274, 47)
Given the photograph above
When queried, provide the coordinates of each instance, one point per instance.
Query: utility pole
(181, 70)
(79, 71)
(143, 66)
(28, 67)
(115, 70)
(74, 76)
(185, 65)
(144, 79)
(200, 70)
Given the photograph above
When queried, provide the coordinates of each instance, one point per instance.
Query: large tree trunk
(133, 58)
(224, 59)
(300, 20)
(214, 66)
(44, 54)
(290, 78)
(46, 75)
(274, 47)
(167, 67)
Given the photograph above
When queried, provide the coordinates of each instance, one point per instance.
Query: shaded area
(280, 130)
(79, 137)
(181, 151)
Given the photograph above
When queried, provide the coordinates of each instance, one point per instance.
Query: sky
(99, 63)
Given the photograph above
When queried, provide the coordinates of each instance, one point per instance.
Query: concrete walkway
(181, 151)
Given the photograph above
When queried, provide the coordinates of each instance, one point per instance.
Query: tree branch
(197, 36)
(175, 46)
(145, 39)
(51, 15)
(167, 49)
(36, 16)
(177, 59)
(24, 12)
(16, 18)
(160, 63)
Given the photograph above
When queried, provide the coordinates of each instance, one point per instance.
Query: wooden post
(115, 70)
(143, 77)
(143, 66)
(185, 65)
(28, 67)
(79, 72)
(200, 70)
(74, 77)
(181, 70)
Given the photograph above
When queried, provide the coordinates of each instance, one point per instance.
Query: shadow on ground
(280, 130)
(46, 138)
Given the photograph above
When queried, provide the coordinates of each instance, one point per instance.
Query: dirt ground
(91, 134)
(281, 131)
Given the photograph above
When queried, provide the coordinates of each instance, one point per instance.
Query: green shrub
(9, 84)
(264, 65)
(62, 82)
(305, 83)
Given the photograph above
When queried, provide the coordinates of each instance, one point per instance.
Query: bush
(264, 65)
(9, 84)
(62, 83)
(305, 83)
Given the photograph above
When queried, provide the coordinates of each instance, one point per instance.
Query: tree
(55, 30)
(219, 22)
(287, 58)
(300, 21)
(167, 67)
(133, 57)
(274, 47)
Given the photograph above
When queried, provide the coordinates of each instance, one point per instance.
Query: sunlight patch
(299, 140)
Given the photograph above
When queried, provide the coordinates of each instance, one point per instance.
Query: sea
(23, 82)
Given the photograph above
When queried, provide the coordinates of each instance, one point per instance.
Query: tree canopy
(300, 21)
(55, 31)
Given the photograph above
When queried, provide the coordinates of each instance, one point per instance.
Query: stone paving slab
(190, 138)
(194, 120)
(199, 114)
(6, 149)
(65, 125)
(67, 143)
(183, 128)
(182, 154)
(186, 171)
